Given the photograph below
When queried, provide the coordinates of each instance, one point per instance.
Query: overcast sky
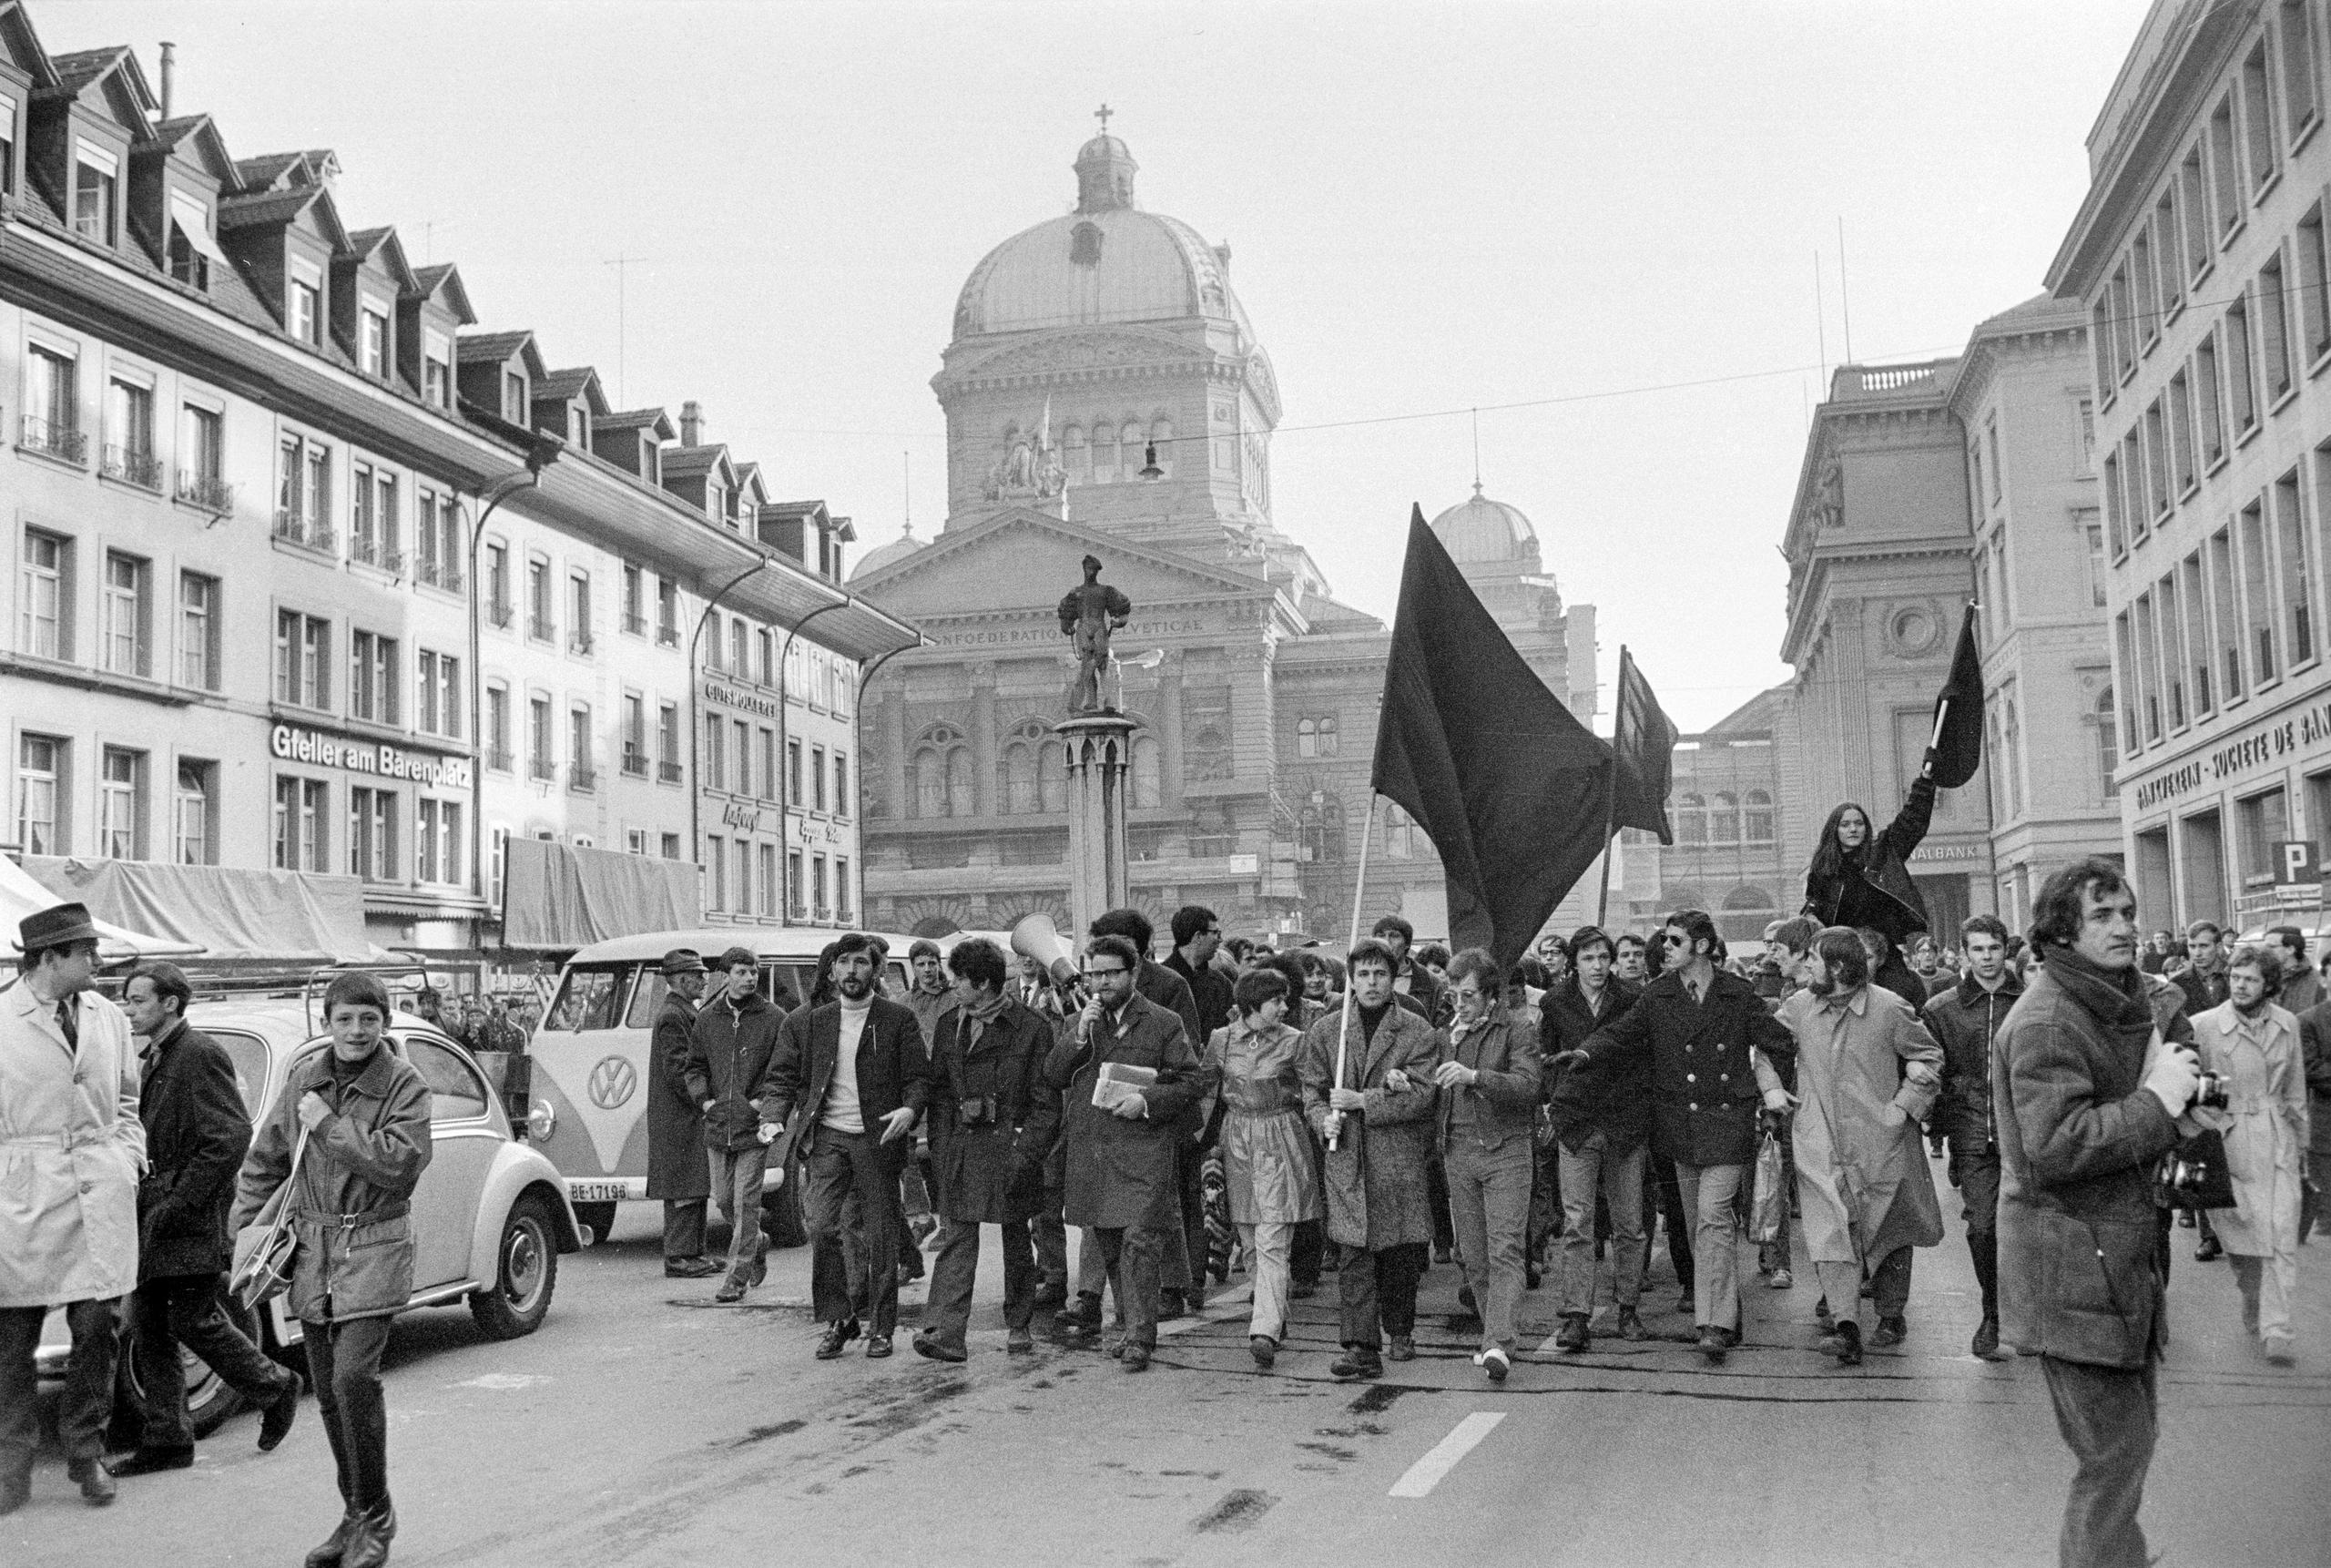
(1432, 207)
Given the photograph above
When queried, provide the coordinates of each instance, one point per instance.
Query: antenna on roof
(906, 471)
(621, 264)
(1477, 452)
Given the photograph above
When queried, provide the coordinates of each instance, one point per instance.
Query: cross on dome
(1102, 114)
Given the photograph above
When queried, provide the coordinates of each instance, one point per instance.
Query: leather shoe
(690, 1267)
(369, 1538)
(1465, 1301)
(1135, 1357)
(730, 1292)
(1495, 1362)
(760, 1263)
(275, 1421)
(94, 1480)
(935, 1350)
(1081, 1316)
(1844, 1342)
(335, 1545)
(1713, 1342)
(1685, 1303)
(837, 1335)
(1264, 1348)
(1019, 1342)
(1986, 1343)
(1404, 1348)
(1780, 1280)
(1890, 1332)
(1631, 1325)
(1358, 1362)
(1170, 1306)
(1575, 1335)
(876, 1347)
(152, 1461)
(2209, 1252)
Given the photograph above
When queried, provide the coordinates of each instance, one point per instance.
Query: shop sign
(2308, 730)
(379, 759)
(744, 817)
(1932, 852)
(743, 701)
(810, 833)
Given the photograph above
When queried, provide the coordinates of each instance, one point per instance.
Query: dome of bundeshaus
(1106, 261)
(874, 560)
(1481, 531)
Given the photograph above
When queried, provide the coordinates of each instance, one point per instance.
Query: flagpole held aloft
(1343, 1031)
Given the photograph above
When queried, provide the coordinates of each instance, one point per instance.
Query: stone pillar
(894, 739)
(1100, 753)
(983, 778)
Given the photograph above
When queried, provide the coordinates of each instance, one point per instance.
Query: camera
(978, 1111)
(2181, 1174)
(2209, 1091)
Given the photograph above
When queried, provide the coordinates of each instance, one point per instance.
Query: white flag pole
(1343, 1033)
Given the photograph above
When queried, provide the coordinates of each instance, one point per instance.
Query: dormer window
(437, 370)
(7, 145)
(716, 501)
(514, 397)
(578, 424)
(193, 251)
(304, 302)
(651, 460)
(372, 338)
(96, 177)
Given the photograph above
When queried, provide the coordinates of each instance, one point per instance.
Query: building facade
(1106, 394)
(1725, 807)
(2199, 254)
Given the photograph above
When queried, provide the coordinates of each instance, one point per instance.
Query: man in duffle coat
(1379, 1207)
(677, 1171)
(71, 1149)
(993, 1122)
(1121, 1183)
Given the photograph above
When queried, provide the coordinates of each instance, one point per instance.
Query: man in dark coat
(731, 1046)
(993, 1122)
(197, 1130)
(1120, 1183)
(1965, 1020)
(2085, 1107)
(2315, 1050)
(846, 1084)
(1698, 1024)
(1600, 1123)
(1197, 934)
(677, 1171)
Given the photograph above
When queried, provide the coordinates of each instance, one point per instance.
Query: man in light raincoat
(1867, 1071)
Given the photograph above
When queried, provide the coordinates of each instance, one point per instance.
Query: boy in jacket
(730, 1046)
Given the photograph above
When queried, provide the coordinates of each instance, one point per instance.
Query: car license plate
(595, 1192)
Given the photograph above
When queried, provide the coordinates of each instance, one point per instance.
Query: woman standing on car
(364, 1111)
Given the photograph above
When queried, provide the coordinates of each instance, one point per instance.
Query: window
(579, 623)
(2194, 187)
(1315, 736)
(716, 766)
(2273, 331)
(437, 370)
(795, 886)
(2207, 397)
(363, 517)
(715, 860)
(1723, 819)
(372, 834)
(817, 778)
(40, 778)
(2225, 182)
(2157, 459)
(307, 314)
(818, 888)
(739, 649)
(193, 809)
(2146, 295)
(124, 635)
(372, 677)
(635, 735)
(498, 607)
(2314, 278)
(2297, 572)
(2258, 605)
(299, 825)
(745, 879)
(2101, 327)
(96, 182)
(539, 763)
(771, 896)
(668, 743)
(2226, 630)
(2195, 598)
(7, 145)
(742, 733)
(2180, 432)
(2097, 569)
(2139, 509)
(2085, 416)
(2116, 506)
(497, 726)
(514, 397)
(372, 339)
(2238, 366)
(2124, 334)
(302, 659)
(2108, 751)
(121, 790)
(580, 773)
(2148, 680)
(129, 434)
(844, 900)
(1756, 817)
(2012, 759)
(2264, 821)
(53, 406)
(538, 606)
(667, 613)
(437, 850)
(2166, 243)
(766, 740)
(1690, 819)
(635, 601)
(841, 785)
(439, 690)
(202, 455)
(44, 595)
(2124, 643)
(768, 652)
(2295, 41)
(795, 796)
(1401, 835)
(2258, 118)
(304, 502)
(671, 849)
(199, 627)
(2172, 654)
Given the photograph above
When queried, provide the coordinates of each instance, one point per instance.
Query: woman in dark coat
(1862, 878)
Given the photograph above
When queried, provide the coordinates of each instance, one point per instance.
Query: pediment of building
(1080, 349)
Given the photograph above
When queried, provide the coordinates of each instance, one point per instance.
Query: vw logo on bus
(612, 1082)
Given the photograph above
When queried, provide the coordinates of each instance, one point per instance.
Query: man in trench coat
(1868, 1072)
(678, 1169)
(72, 1148)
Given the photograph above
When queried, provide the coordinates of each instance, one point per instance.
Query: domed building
(1105, 393)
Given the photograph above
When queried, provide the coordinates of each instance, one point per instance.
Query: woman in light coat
(1269, 1163)
(2253, 1046)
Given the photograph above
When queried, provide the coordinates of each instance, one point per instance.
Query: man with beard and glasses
(849, 1079)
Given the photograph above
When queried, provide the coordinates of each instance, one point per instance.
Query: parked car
(589, 1074)
(488, 1218)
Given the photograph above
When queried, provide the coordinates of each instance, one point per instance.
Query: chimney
(691, 422)
(170, 69)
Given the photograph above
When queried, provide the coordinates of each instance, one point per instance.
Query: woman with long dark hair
(1860, 877)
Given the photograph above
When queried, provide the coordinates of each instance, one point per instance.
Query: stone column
(1100, 752)
(983, 780)
(894, 740)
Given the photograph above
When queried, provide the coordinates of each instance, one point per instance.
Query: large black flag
(1512, 789)
(1644, 739)
(1958, 713)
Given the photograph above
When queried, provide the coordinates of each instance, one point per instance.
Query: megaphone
(1036, 937)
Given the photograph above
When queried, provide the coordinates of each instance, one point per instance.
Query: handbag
(1770, 1208)
(2194, 1174)
(265, 1272)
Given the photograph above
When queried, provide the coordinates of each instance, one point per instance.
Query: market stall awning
(557, 897)
(225, 912)
(21, 894)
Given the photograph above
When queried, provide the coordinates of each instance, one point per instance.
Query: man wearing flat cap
(677, 1171)
(68, 1232)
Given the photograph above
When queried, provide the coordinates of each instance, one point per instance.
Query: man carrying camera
(2086, 1103)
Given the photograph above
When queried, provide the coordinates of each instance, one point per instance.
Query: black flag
(1643, 737)
(1511, 787)
(1957, 740)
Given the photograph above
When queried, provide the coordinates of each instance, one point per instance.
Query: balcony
(206, 490)
(668, 636)
(500, 615)
(542, 770)
(582, 779)
(635, 625)
(445, 574)
(497, 759)
(132, 465)
(635, 763)
(539, 628)
(667, 772)
(52, 438)
(580, 641)
(294, 529)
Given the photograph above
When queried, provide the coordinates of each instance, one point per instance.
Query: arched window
(1307, 738)
(1208, 754)
(1129, 459)
(1051, 778)
(1161, 434)
(1085, 245)
(1327, 737)
(1019, 779)
(2108, 750)
(1400, 834)
(1331, 821)
(1310, 835)
(1691, 821)
(1078, 459)
(1724, 820)
(927, 783)
(1756, 817)
(963, 801)
(1145, 770)
(1105, 451)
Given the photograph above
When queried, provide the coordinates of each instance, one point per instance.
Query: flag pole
(1343, 1032)
(1611, 795)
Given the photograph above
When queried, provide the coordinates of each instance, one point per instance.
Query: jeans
(344, 1364)
(1489, 1204)
(1377, 1292)
(1268, 1243)
(949, 1312)
(1670, 1198)
(683, 1228)
(88, 1382)
(2108, 1418)
(1436, 1187)
(1978, 1177)
(1707, 1193)
(1131, 1256)
(738, 1176)
(840, 1164)
(184, 1309)
(1774, 1254)
(1585, 1169)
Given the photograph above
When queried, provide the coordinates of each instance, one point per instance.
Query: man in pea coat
(1698, 1024)
(1382, 1128)
(68, 1229)
(731, 1045)
(993, 1122)
(197, 1129)
(677, 1170)
(1120, 1176)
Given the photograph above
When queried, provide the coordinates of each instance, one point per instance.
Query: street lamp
(696, 727)
(542, 450)
(785, 766)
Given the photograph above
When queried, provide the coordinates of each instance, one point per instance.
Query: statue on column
(1090, 613)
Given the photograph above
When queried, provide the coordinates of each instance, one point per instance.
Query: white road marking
(501, 1382)
(1428, 1471)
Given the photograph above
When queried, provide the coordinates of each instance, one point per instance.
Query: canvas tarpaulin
(560, 897)
(22, 894)
(228, 912)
